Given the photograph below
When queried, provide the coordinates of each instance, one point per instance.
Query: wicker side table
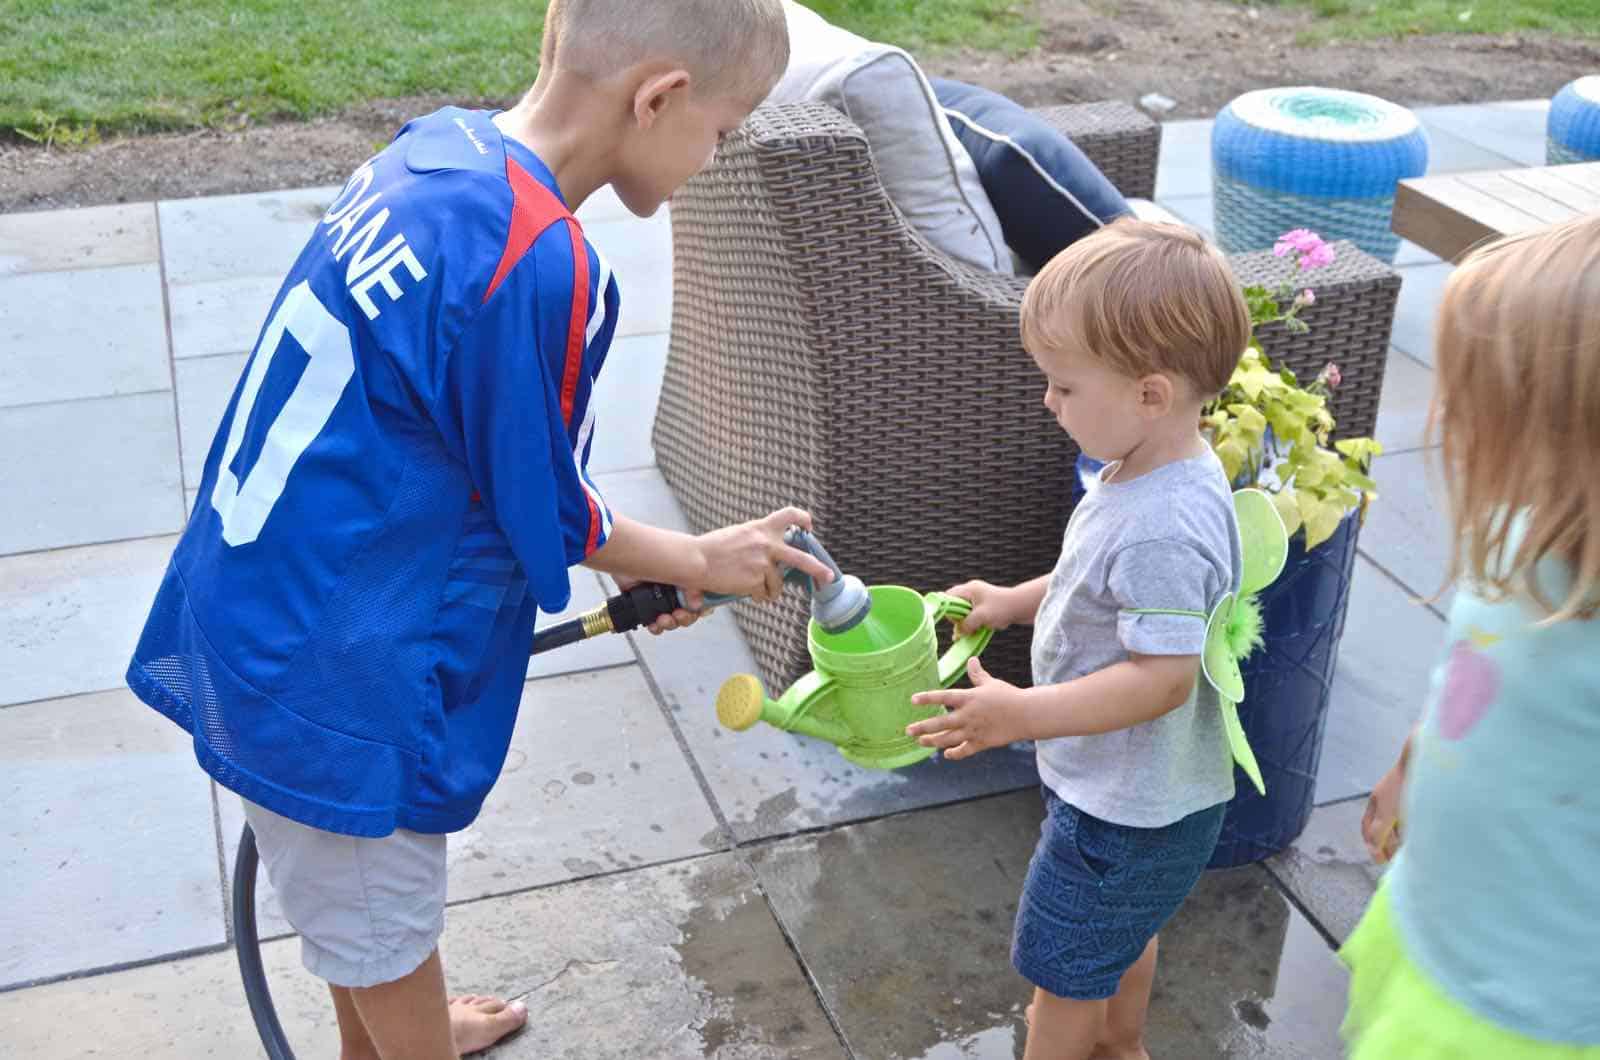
(1572, 131)
(1318, 158)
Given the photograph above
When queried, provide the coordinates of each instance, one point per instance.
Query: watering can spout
(741, 703)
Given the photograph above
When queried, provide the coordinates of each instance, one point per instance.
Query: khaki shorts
(368, 911)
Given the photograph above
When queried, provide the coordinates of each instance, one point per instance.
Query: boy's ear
(655, 93)
(1157, 394)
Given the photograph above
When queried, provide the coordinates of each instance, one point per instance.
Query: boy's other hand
(744, 560)
(992, 713)
(991, 607)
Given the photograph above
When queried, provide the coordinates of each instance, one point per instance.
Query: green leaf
(1233, 453)
(1321, 518)
(1288, 510)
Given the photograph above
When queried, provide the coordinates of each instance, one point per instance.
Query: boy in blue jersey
(399, 483)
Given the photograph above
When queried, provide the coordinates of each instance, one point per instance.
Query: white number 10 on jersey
(244, 508)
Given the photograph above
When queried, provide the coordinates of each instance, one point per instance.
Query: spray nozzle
(837, 606)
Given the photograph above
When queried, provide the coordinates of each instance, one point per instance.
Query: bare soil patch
(1199, 53)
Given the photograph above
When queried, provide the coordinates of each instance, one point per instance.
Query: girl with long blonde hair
(1484, 937)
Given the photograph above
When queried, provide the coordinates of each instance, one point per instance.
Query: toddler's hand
(989, 714)
(991, 607)
(743, 560)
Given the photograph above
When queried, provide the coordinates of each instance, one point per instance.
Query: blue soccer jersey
(397, 485)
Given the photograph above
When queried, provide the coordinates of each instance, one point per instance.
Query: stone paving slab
(768, 782)
(86, 333)
(626, 397)
(69, 619)
(90, 238)
(220, 316)
(906, 922)
(1385, 660)
(228, 237)
(594, 783)
(85, 472)
(1403, 406)
(1407, 530)
(1184, 165)
(205, 386)
(1327, 868)
(1514, 129)
(683, 961)
(1449, 152)
(1421, 287)
(108, 852)
(640, 255)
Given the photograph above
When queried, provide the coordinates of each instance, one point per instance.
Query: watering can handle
(953, 664)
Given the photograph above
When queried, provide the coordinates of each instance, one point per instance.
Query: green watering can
(859, 695)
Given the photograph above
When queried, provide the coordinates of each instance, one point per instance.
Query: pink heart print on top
(1471, 683)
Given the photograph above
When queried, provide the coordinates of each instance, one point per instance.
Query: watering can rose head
(1272, 433)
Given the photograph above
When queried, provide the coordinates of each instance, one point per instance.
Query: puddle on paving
(753, 1001)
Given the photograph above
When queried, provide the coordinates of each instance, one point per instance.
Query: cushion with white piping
(1045, 190)
(925, 171)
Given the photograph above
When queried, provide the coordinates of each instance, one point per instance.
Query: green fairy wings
(1233, 628)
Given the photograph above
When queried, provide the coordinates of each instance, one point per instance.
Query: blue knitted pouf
(1317, 158)
(1573, 132)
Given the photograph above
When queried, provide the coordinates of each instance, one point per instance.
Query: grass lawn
(72, 68)
(1399, 18)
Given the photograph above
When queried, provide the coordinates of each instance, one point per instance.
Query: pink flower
(1317, 257)
(1330, 376)
(1311, 251)
(1302, 239)
(1308, 297)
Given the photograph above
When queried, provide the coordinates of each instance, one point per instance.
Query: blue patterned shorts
(1098, 892)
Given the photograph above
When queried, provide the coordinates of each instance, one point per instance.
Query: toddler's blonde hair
(734, 46)
(1143, 297)
(1516, 411)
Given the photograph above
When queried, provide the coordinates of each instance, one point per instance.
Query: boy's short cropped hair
(740, 47)
(1143, 298)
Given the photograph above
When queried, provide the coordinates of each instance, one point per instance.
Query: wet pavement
(652, 884)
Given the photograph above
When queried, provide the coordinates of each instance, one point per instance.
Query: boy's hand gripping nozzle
(838, 606)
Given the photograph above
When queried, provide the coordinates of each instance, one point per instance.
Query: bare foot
(477, 1022)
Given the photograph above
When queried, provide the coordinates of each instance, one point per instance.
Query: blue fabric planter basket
(1572, 133)
(1287, 686)
(1317, 158)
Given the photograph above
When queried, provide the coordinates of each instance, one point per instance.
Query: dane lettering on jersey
(368, 268)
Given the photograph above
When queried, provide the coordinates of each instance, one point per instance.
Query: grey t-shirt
(1165, 540)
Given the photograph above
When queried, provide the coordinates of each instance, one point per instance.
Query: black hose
(569, 632)
(248, 946)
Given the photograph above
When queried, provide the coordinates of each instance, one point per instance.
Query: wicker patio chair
(823, 354)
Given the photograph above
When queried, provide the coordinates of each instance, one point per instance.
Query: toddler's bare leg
(1123, 1037)
(411, 1019)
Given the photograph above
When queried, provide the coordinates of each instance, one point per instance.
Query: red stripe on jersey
(594, 525)
(579, 324)
(533, 209)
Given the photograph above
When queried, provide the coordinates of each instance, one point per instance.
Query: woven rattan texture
(1120, 140)
(823, 355)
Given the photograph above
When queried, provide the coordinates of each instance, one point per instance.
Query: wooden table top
(1450, 214)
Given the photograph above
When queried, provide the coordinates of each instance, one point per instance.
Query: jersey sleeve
(1164, 592)
(520, 381)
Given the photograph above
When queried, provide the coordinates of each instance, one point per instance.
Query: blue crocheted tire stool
(1317, 158)
(1573, 132)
